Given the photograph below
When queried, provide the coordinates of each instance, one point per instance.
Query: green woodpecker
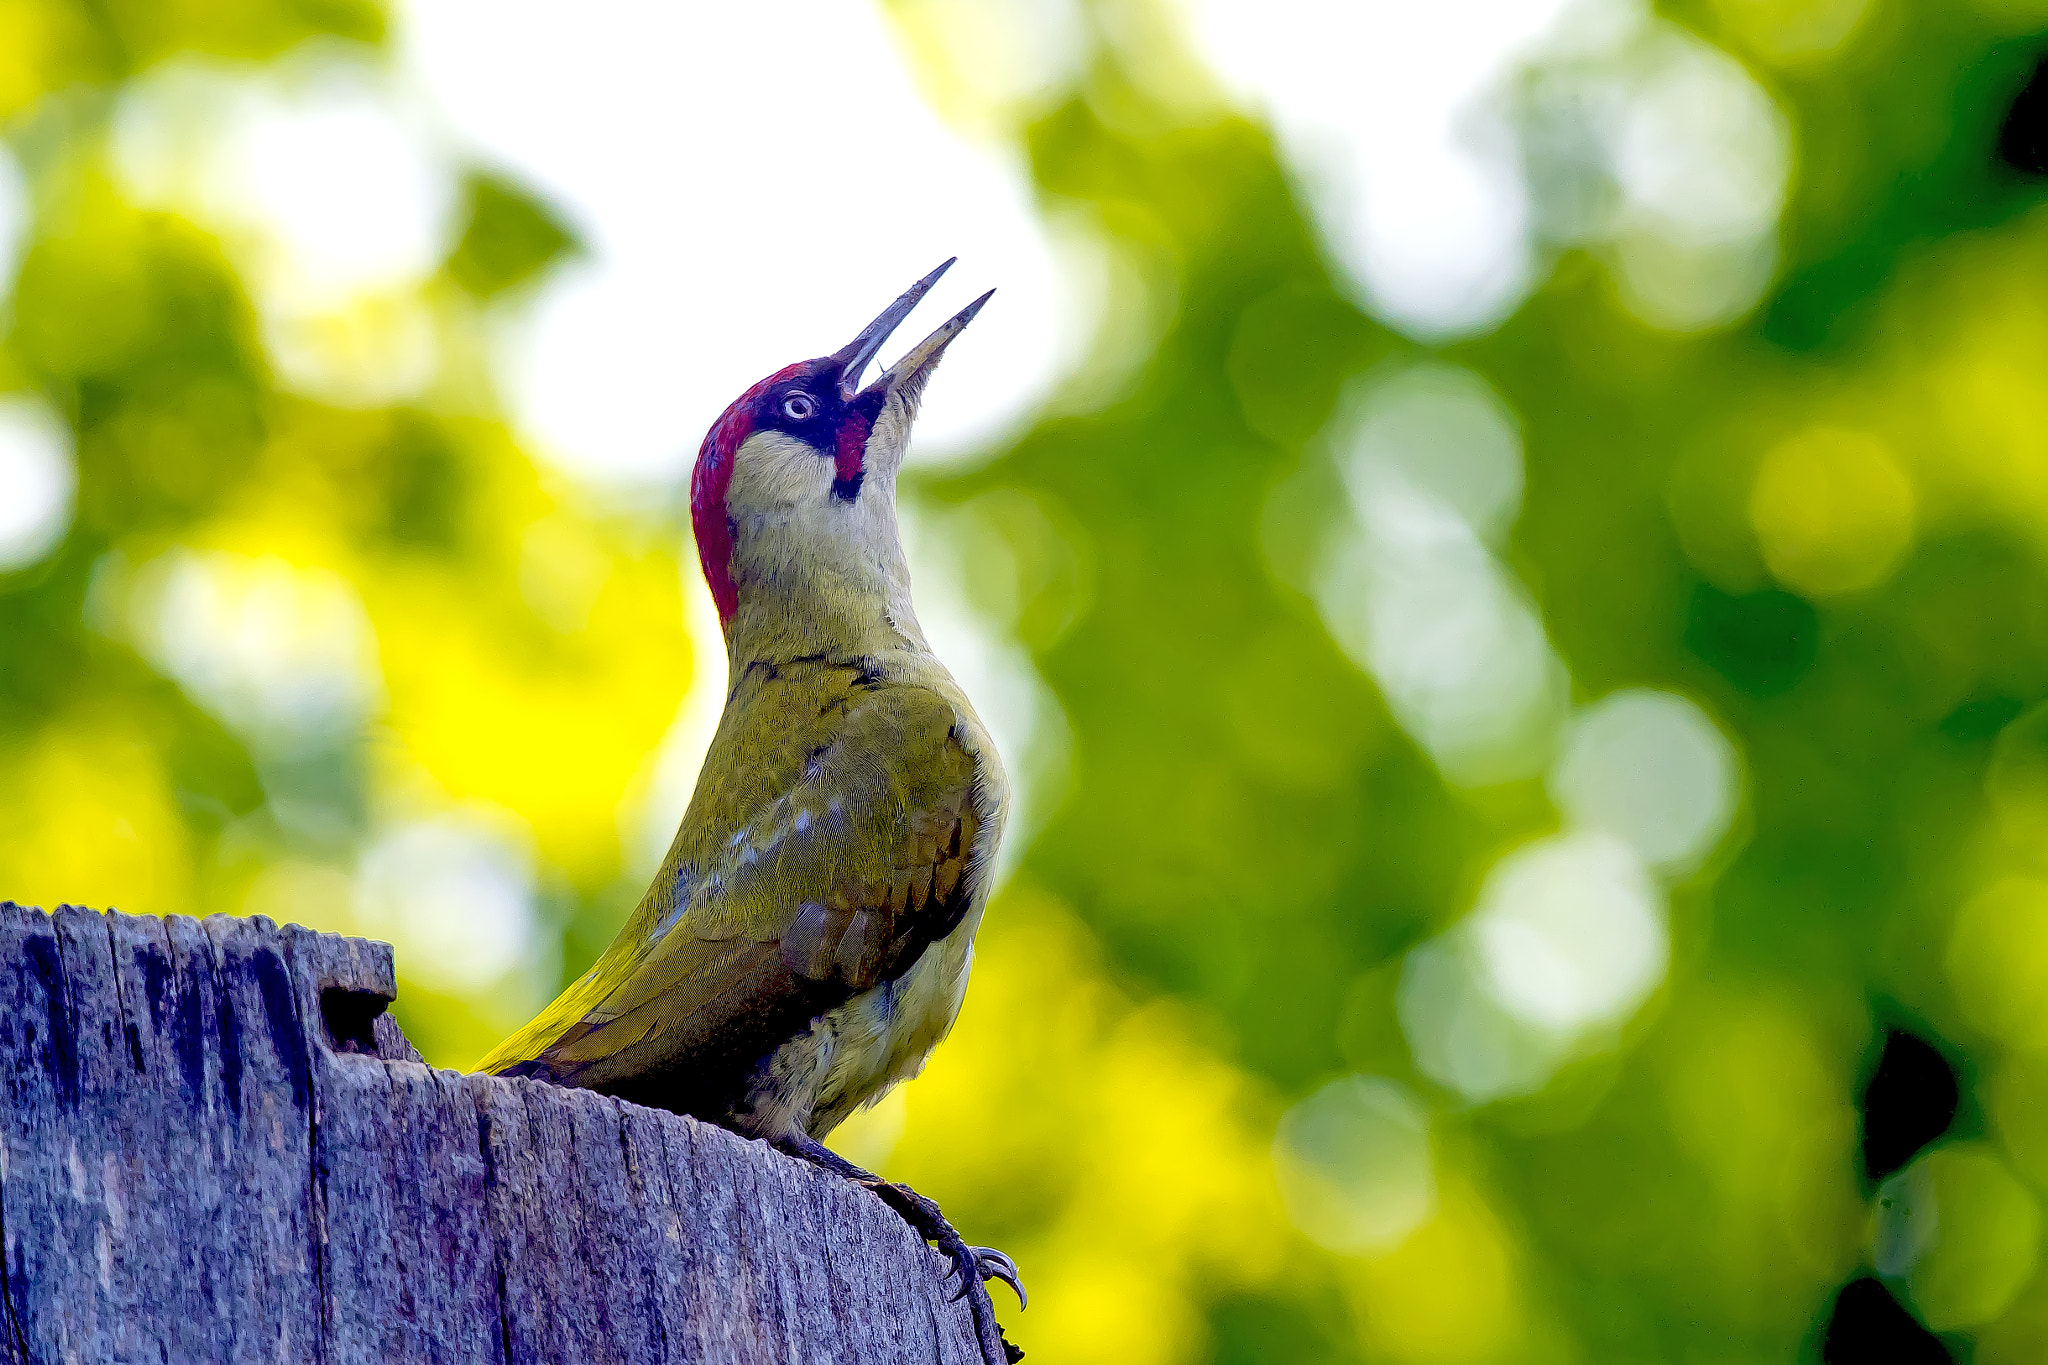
(807, 940)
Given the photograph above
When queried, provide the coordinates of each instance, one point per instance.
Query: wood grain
(216, 1145)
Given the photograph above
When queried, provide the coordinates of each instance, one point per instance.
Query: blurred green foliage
(508, 237)
(1824, 524)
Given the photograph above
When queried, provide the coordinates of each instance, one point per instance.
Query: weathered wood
(217, 1145)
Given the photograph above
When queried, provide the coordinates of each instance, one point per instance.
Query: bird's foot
(974, 1265)
(994, 1265)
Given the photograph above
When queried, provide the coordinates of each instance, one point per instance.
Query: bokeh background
(1505, 542)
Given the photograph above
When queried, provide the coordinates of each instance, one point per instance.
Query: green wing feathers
(828, 842)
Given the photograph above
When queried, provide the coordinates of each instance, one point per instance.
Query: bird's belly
(857, 1052)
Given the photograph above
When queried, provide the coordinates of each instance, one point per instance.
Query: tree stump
(217, 1146)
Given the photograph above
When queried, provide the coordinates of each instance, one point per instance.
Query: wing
(841, 848)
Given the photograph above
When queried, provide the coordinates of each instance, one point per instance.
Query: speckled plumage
(808, 938)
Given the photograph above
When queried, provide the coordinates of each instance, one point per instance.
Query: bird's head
(803, 465)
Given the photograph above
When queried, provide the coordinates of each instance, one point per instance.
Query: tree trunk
(217, 1146)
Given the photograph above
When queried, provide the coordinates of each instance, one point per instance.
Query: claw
(928, 1223)
(994, 1265)
(957, 1258)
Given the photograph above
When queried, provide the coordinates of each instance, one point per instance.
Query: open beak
(909, 373)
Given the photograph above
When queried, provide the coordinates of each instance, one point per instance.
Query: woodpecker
(807, 940)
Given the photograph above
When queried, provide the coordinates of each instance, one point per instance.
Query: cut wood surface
(218, 1146)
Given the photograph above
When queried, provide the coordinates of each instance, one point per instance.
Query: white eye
(798, 407)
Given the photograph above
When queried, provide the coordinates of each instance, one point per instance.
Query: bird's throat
(840, 589)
